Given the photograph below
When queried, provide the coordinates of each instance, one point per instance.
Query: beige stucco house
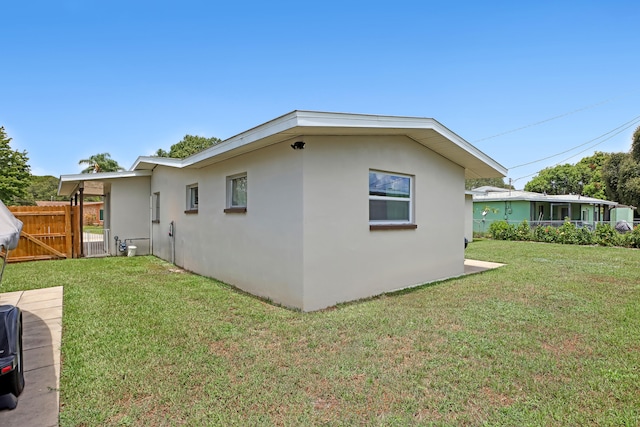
(308, 210)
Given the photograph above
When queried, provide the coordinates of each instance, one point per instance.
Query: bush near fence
(567, 233)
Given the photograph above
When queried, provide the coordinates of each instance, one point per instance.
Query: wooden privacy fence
(48, 232)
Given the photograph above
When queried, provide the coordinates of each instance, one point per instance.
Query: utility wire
(544, 121)
(624, 126)
(619, 129)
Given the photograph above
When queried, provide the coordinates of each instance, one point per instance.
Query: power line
(617, 131)
(623, 126)
(544, 121)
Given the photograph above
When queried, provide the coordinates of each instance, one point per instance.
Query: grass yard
(93, 229)
(551, 339)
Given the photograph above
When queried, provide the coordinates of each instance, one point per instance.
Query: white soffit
(425, 131)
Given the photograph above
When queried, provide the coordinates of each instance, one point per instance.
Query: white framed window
(192, 197)
(390, 198)
(237, 192)
(155, 207)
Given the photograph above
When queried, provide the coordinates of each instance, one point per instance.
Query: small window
(155, 207)
(192, 197)
(390, 198)
(237, 193)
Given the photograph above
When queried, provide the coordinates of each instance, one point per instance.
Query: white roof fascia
(297, 122)
(71, 182)
(320, 119)
(152, 161)
(100, 176)
(270, 128)
(491, 189)
(574, 198)
(537, 197)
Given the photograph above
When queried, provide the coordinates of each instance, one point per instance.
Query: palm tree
(100, 163)
(161, 153)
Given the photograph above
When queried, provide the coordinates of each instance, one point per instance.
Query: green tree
(585, 177)
(595, 187)
(470, 184)
(161, 153)
(629, 187)
(592, 180)
(15, 174)
(100, 163)
(621, 172)
(611, 175)
(43, 188)
(635, 145)
(188, 146)
(561, 179)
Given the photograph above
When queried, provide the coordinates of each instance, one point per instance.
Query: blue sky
(81, 77)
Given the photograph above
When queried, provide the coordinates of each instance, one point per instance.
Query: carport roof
(297, 124)
(93, 183)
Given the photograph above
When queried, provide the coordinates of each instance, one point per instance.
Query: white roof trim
(529, 196)
(300, 123)
(100, 176)
(68, 184)
(149, 162)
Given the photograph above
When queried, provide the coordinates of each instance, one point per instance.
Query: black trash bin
(11, 366)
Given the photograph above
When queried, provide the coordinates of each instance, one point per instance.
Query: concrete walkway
(38, 405)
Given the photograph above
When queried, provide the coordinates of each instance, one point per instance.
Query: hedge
(567, 233)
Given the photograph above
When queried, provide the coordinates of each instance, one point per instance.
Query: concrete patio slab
(39, 403)
(473, 266)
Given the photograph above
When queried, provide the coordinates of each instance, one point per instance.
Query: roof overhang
(537, 197)
(93, 183)
(425, 131)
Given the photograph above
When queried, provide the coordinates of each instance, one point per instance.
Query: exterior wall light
(298, 145)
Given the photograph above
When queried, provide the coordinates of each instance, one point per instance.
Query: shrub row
(567, 233)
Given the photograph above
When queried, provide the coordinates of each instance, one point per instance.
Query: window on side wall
(390, 200)
(155, 203)
(236, 193)
(192, 198)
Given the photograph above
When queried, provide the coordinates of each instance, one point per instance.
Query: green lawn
(94, 229)
(553, 338)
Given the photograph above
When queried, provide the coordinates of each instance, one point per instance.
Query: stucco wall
(305, 240)
(128, 205)
(259, 251)
(343, 259)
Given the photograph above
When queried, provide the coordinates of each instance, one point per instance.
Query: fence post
(68, 231)
(77, 229)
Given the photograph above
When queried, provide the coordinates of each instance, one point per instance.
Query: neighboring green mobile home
(492, 204)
